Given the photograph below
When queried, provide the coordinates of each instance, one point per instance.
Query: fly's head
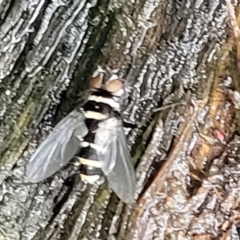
(108, 80)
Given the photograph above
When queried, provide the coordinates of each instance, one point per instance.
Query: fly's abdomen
(99, 107)
(90, 168)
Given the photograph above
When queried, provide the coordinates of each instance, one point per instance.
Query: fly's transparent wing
(58, 148)
(117, 165)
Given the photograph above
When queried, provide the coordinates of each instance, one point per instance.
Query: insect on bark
(94, 132)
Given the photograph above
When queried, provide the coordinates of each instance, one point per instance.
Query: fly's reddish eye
(114, 85)
(96, 82)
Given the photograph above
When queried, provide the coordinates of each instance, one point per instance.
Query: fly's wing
(58, 148)
(116, 159)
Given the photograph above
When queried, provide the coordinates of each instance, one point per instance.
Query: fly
(93, 133)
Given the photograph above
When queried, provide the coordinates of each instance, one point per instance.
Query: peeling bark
(169, 52)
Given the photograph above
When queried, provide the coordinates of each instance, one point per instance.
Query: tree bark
(186, 156)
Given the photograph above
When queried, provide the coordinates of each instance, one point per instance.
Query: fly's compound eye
(114, 85)
(96, 81)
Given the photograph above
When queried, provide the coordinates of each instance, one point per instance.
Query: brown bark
(186, 156)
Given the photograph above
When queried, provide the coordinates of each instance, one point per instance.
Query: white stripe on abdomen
(91, 163)
(89, 179)
(95, 115)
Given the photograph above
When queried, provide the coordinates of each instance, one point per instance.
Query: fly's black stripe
(88, 153)
(98, 107)
(102, 93)
(90, 137)
(92, 125)
(90, 171)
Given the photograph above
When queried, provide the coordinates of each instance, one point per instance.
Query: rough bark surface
(186, 156)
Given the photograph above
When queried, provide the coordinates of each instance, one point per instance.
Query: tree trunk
(186, 155)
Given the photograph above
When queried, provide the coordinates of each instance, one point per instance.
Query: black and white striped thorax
(100, 106)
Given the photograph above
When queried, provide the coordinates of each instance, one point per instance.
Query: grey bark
(163, 49)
